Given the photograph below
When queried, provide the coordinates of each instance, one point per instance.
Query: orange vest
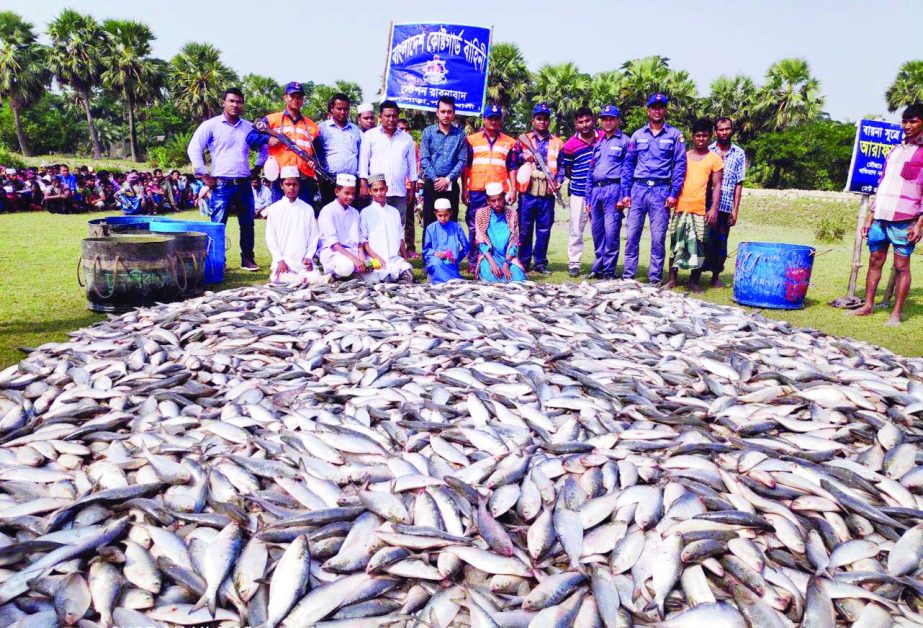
(488, 162)
(555, 144)
(302, 133)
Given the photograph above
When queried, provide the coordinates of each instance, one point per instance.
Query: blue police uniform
(654, 170)
(605, 192)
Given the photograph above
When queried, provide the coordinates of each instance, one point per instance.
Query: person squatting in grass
(896, 219)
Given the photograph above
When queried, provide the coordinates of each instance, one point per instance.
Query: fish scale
(597, 454)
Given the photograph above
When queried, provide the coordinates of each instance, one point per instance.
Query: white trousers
(578, 220)
(339, 265)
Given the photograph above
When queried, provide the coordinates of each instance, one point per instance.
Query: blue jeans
(535, 212)
(647, 201)
(606, 226)
(238, 197)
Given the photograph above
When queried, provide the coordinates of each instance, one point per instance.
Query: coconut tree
(75, 58)
(130, 71)
(907, 87)
(734, 97)
(23, 72)
(197, 79)
(508, 77)
(565, 89)
(791, 95)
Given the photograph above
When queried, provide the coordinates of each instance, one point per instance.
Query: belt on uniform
(652, 182)
(231, 180)
(605, 182)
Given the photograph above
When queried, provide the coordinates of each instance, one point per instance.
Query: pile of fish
(522, 455)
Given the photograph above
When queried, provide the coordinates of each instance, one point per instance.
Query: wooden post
(889, 291)
(384, 75)
(857, 248)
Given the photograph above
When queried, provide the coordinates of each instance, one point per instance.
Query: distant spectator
(58, 198)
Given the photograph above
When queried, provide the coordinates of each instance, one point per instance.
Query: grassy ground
(41, 300)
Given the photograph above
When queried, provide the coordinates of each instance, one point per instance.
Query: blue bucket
(772, 275)
(215, 254)
(104, 227)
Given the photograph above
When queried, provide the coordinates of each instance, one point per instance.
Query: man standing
(536, 204)
(491, 159)
(443, 154)
(651, 182)
(337, 144)
(365, 117)
(388, 150)
(606, 204)
(301, 130)
(735, 169)
(228, 139)
(897, 217)
(576, 157)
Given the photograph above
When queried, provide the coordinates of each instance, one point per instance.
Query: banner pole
(857, 248)
(384, 74)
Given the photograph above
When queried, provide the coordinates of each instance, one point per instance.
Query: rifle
(262, 127)
(525, 141)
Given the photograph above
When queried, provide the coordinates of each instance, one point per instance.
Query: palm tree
(565, 89)
(606, 88)
(641, 78)
(198, 78)
(261, 93)
(23, 75)
(907, 87)
(75, 57)
(735, 98)
(508, 77)
(130, 71)
(791, 95)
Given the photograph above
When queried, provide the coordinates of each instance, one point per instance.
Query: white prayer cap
(365, 108)
(442, 203)
(289, 172)
(493, 189)
(346, 180)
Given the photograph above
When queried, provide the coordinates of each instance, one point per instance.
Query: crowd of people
(509, 186)
(343, 195)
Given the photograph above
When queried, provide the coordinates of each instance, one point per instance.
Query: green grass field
(42, 301)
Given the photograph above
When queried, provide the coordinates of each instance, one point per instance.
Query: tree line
(95, 87)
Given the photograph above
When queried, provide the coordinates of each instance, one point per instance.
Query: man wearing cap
(342, 247)
(652, 179)
(606, 204)
(443, 153)
(365, 116)
(491, 159)
(391, 151)
(292, 234)
(291, 123)
(337, 144)
(229, 139)
(497, 239)
(536, 202)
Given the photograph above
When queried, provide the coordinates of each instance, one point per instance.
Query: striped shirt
(900, 192)
(576, 161)
(735, 171)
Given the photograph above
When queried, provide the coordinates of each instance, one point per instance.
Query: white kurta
(292, 235)
(338, 225)
(381, 225)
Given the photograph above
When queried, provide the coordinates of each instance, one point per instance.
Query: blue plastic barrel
(214, 260)
(773, 275)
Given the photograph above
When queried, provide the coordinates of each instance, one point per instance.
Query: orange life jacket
(302, 133)
(555, 144)
(488, 163)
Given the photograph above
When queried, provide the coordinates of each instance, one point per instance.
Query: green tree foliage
(75, 58)
(130, 71)
(315, 105)
(814, 156)
(197, 78)
(509, 77)
(907, 87)
(47, 123)
(262, 95)
(564, 88)
(791, 95)
(23, 70)
(734, 97)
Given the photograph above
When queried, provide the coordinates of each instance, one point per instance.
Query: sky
(854, 48)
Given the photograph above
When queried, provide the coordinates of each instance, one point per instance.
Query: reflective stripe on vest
(488, 163)
(300, 133)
